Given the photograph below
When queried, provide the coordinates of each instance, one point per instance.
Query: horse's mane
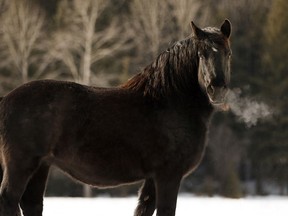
(174, 70)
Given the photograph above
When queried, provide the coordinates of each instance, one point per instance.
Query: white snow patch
(186, 206)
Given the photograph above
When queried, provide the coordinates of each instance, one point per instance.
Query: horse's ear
(197, 32)
(226, 28)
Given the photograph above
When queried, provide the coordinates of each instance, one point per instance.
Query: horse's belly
(101, 172)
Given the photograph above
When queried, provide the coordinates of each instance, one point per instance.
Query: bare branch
(148, 20)
(21, 28)
(84, 44)
(184, 12)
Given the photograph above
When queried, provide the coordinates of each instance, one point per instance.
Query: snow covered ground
(186, 206)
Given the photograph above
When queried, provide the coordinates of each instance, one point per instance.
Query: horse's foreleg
(167, 187)
(32, 199)
(146, 203)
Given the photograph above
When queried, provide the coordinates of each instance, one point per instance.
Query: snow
(186, 206)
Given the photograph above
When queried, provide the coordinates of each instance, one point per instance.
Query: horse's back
(46, 117)
(32, 115)
(27, 116)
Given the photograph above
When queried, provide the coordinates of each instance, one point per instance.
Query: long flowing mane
(174, 70)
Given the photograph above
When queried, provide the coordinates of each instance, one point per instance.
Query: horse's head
(214, 56)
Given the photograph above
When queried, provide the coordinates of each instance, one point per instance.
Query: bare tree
(21, 29)
(4, 79)
(184, 11)
(149, 19)
(81, 44)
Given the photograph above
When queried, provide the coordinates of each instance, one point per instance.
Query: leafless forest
(104, 42)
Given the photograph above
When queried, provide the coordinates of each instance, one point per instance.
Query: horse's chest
(186, 143)
(182, 129)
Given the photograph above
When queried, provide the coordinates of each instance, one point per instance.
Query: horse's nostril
(211, 90)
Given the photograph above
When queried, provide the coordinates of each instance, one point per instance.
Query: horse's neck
(192, 101)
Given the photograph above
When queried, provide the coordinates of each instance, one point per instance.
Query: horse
(151, 128)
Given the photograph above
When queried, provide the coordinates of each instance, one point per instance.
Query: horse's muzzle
(217, 96)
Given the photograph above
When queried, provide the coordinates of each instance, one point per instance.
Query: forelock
(211, 30)
(214, 36)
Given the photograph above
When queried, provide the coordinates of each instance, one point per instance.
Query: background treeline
(103, 43)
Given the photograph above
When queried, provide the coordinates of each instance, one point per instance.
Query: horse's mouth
(218, 99)
(221, 105)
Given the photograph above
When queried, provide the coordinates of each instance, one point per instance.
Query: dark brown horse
(151, 128)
